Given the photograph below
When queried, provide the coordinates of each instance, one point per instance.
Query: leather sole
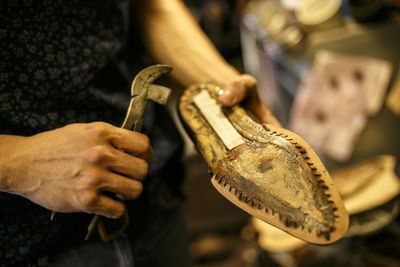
(273, 174)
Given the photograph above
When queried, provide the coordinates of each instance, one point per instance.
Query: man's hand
(243, 89)
(67, 169)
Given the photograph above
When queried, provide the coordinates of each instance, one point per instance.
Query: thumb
(244, 87)
(237, 90)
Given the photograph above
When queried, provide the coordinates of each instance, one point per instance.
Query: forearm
(173, 37)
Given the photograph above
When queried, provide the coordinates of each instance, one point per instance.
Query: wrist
(220, 74)
(228, 74)
(8, 145)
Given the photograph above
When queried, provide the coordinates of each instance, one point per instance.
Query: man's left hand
(243, 89)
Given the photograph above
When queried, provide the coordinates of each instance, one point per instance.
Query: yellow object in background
(393, 99)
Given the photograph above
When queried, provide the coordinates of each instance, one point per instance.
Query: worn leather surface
(274, 176)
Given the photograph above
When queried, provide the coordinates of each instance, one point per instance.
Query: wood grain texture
(274, 176)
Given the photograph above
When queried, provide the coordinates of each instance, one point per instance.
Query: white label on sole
(212, 112)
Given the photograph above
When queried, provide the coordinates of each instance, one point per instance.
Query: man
(65, 68)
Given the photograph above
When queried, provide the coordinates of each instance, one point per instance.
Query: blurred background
(329, 70)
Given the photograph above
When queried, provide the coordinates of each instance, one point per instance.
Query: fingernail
(228, 97)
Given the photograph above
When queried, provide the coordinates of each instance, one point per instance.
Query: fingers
(128, 188)
(237, 90)
(131, 142)
(109, 207)
(104, 206)
(244, 89)
(120, 150)
(111, 164)
(90, 200)
(128, 165)
(111, 160)
(98, 180)
(134, 143)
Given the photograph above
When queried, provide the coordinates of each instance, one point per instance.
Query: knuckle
(99, 125)
(97, 154)
(91, 178)
(87, 200)
(98, 129)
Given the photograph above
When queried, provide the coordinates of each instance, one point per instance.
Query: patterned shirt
(61, 62)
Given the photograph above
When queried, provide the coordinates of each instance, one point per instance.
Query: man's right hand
(67, 169)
